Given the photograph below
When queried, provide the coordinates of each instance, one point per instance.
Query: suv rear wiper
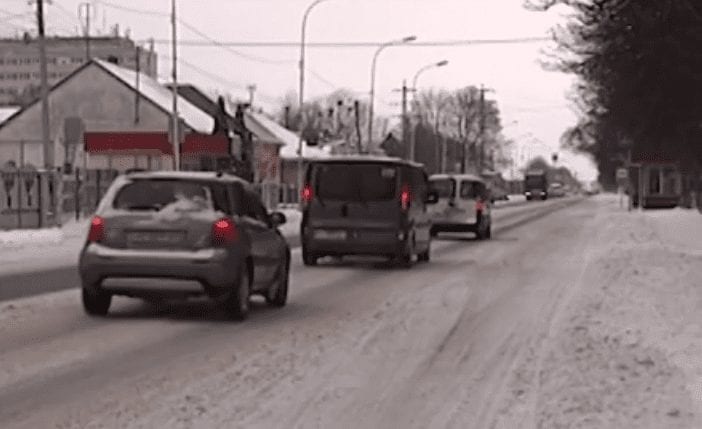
(144, 207)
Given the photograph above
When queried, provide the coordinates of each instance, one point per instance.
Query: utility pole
(87, 7)
(287, 117)
(46, 140)
(48, 150)
(137, 94)
(405, 121)
(175, 133)
(252, 92)
(357, 111)
(481, 156)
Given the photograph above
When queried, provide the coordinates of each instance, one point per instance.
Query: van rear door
(471, 194)
(354, 196)
(445, 187)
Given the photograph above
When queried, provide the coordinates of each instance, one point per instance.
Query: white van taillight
(97, 230)
(405, 197)
(223, 232)
(307, 194)
(479, 205)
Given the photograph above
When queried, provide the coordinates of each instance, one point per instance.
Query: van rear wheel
(309, 259)
(425, 256)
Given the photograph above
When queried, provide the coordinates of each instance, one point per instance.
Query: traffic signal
(554, 157)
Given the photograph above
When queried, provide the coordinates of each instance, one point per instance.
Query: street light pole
(414, 89)
(372, 88)
(176, 132)
(300, 162)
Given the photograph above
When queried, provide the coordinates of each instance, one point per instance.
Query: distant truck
(535, 185)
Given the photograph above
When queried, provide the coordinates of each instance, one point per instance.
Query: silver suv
(158, 235)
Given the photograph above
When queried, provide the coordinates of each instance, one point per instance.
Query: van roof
(367, 158)
(457, 176)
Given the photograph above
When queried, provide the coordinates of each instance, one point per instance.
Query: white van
(463, 205)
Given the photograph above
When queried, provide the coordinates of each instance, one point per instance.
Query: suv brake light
(97, 230)
(224, 232)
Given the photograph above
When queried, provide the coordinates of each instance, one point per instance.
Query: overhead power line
(229, 49)
(210, 41)
(66, 13)
(8, 16)
(134, 10)
(222, 79)
(362, 44)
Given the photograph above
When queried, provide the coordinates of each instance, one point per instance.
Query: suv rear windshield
(356, 182)
(446, 188)
(148, 194)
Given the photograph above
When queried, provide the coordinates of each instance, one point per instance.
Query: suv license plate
(329, 235)
(154, 239)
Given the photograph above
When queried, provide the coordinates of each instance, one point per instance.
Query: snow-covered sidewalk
(29, 250)
(628, 351)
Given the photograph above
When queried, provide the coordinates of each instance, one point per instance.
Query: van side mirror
(432, 197)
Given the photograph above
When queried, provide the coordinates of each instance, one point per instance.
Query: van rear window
(356, 182)
(446, 188)
(471, 190)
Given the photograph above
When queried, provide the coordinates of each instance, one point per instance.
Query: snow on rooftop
(7, 111)
(153, 90)
(287, 138)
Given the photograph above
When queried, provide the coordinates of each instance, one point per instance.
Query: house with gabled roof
(127, 121)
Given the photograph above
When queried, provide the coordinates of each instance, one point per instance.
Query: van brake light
(479, 205)
(405, 197)
(307, 194)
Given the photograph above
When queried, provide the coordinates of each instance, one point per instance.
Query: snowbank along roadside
(628, 349)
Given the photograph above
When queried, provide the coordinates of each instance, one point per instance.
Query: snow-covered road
(489, 334)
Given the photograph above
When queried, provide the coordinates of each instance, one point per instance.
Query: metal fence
(83, 189)
(24, 195)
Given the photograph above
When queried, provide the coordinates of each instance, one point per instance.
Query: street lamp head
(442, 63)
(409, 39)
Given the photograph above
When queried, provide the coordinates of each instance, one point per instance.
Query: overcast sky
(533, 101)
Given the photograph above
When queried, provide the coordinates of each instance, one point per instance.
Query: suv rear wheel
(277, 295)
(95, 301)
(236, 304)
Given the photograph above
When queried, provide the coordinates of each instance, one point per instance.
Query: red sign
(150, 142)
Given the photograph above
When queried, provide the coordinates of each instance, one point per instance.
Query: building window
(12, 61)
(25, 76)
(2, 61)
